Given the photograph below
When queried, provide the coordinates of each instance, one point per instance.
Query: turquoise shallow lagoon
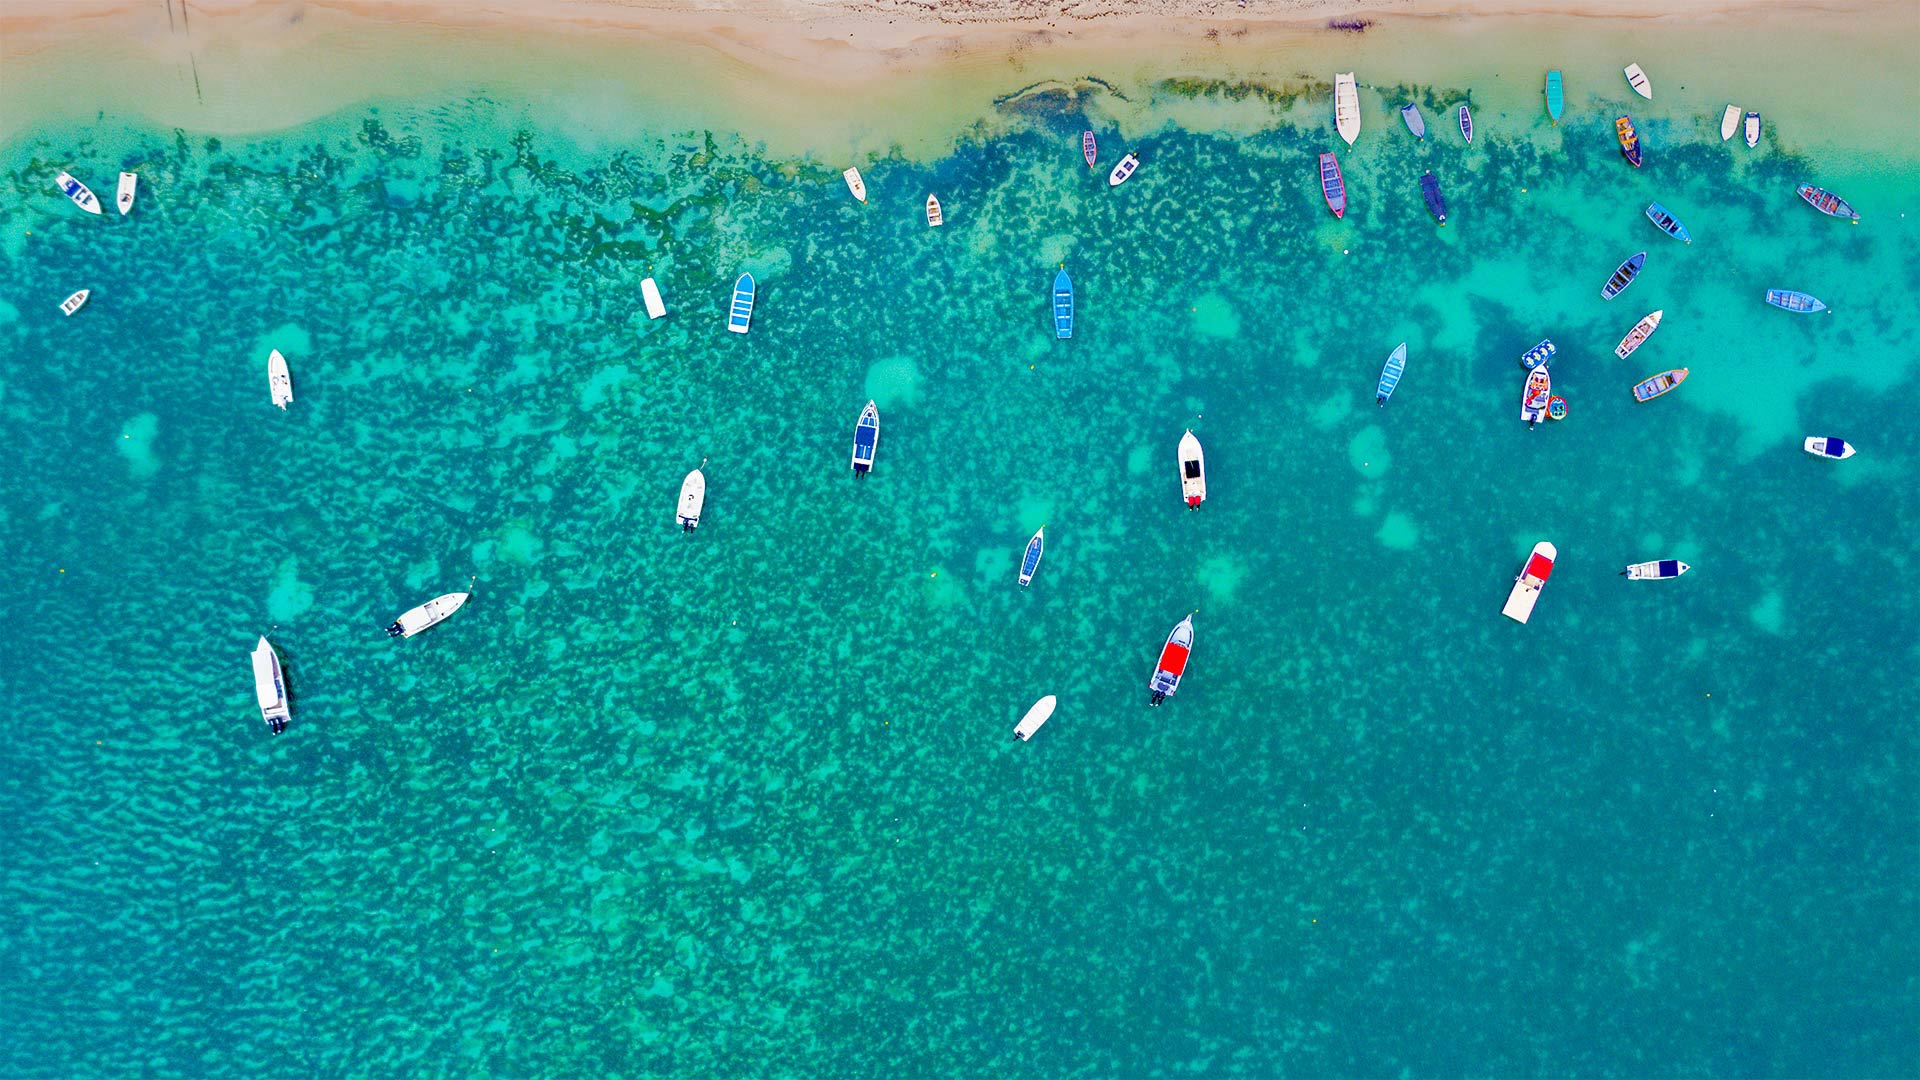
(745, 803)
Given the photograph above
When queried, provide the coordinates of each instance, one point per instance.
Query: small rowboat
(1089, 149)
(75, 302)
(1466, 125)
(1535, 396)
(1346, 107)
(1753, 129)
(1390, 374)
(279, 380)
(431, 613)
(1539, 355)
(650, 296)
(1037, 715)
(1827, 202)
(1173, 662)
(1623, 276)
(855, 184)
(1332, 186)
(1415, 122)
(933, 212)
(1655, 571)
(1827, 446)
(78, 192)
(693, 499)
(1638, 80)
(1062, 305)
(866, 439)
(1788, 300)
(1430, 190)
(1556, 97)
(1659, 384)
(1667, 223)
(1030, 561)
(1123, 170)
(1729, 122)
(270, 687)
(1629, 140)
(1526, 586)
(1638, 336)
(1193, 471)
(740, 316)
(129, 186)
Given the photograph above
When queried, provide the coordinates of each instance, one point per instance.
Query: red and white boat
(1173, 661)
(1537, 395)
(1526, 587)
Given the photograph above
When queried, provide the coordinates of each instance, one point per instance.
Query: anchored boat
(1430, 190)
(75, 302)
(1062, 305)
(740, 316)
(1623, 276)
(1556, 97)
(1036, 716)
(1536, 395)
(1193, 471)
(1629, 140)
(1638, 80)
(866, 439)
(1638, 336)
(82, 197)
(1753, 129)
(1826, 202)
(1466, 125)
(270, 687)
(1667, 223)
(1415, 122)
(1089, 149)
(1390, 374)
(1788, 300)
(1827, 446)
(693, 499)
(1655, 571)
(1346, 107)
(279, 380)
(1729, 122)
(855, 184)
(1526, 587)
(1123, 170)
(1332, 185)
(1662, 383)
(129, 186)
(1030, 561)
(428, 614)
(650, 295)
(933, 212)
(1173, 662)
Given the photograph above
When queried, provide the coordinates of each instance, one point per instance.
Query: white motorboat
(1123, 170)
(934, 220)
(1638, 336)
(1638, 80)
(1827, 446)
(279, 381)
(1346, 107)
(866, 439)
(1729, 122)
(270, 686)
(428, 614)
(855, 184)
(1172, 665)
(1655, 570)
(693, 498)
(1193, 471)
(1526, 587)
(650, 295)
(1753, 130)
(129, 185)
(1036, 716)
(80, 194)
(75, 302)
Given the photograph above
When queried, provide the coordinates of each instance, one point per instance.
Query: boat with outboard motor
(81, 195)
(1658, 570)
(693, 499)
(1527, 584)
(1172, 664)
(279, 379)
(1036, 716)
(431, 613)
(270, 687)
(1193, 471)
(866, 439)
(1536, 395)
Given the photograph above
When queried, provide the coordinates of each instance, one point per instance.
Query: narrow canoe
(1390, 374)
(740, 316)
(81, 195)
(934, 219)
(866, 439)
(650, 296)
(1753, 129)
(1659, 384)
(1036, 716)
(1466, 125)
(1623, 276)
(1788, 300)
(1827, 202)
(1638, 80)
(1430, 190)
(1123, 170)
(1415, 122)
(1332, 186)
(1556, 97)
(1193, 471)
(1667, 223)
(1657, 570)
(1030, 561)
(693, 499)
(279, 379)
(1729, 122)
(1526, 585)
(75, 302)
(1346, 107)
(1062, 305)
(855, 184)
(1629, 140)
(129, 186)
(1089, 149)
(1638, 336)
(1827, 446)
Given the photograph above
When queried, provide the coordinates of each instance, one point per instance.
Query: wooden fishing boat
(1030, 561)
(1430, 190)
(1658, 570)
(1539, 355)
(1629, 140)
(650, 296)
(933, 212)
(693, 499)
(1664, 220)
(1466, 125)
(1123, 170)
(866, 439)
(1623, 276)
(1415, 122)
(1638, 80)
(1753, 129)
(1827, 446)
(1346, 107)
(75, 302)
(1332, 185)
(431, 613)
(740, 315)
(82, 197)
(270, 687)
(1527, 584)
(1535, 396)
(1062, 305)
(1827, 202)
(1089, 149)
(1193, 471)
(279, 380)
(1556, 97)
(1390, 374)
(1036, 716)
(1638, 336)
(1729, 122)
(1789, 300)
(1648, 389)
(129, 186)
(855, 184)
(1172, 664)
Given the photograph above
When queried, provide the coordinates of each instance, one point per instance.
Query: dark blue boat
(1430, 187)
(1031, 560)
(1062, 305)
(1623, 276)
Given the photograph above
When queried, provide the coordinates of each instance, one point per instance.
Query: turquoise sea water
(745, 803)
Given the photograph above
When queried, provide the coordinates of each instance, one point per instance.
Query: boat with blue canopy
(1657, 570)
(1030, 562)
(1390, 374)
(1062, 305)
(866, 439)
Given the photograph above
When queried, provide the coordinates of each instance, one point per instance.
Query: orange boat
(1629, 140)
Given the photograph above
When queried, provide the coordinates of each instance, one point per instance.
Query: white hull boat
(693, 499)
(1638, 336)
(1036, 716)
(866, 439)
(129, 186)
(1729, 122)
(81, 195)
(855, 184)
(1030, 559)
(1638, 80)
(934, 217)
(1526, 587)
(650, 295)
(75, 302)
(270, 686)
(428, 614)
(1657, 570)
(1536, 395)
(1172, 665)
(279, 381)
(1827, 446)
(1346, 107)
(1753, 130)
(1123, 170)
(1193, 471)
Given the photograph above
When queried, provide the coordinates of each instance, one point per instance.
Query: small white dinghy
(1193, 471)
(81, 195)
(1346, 107)
(1123, 170)
(75, 302)
(934, 219)
(270, 686)
(279, 381)
(1729, 122)
(129, 185)
(1827, 446)
(1526, 587)
(1638, 80)
(693, 499)
(1657, 570)
(428, 614)
(650, 295)
(855, 184)
(1036, 716)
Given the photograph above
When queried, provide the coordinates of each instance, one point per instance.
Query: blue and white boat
(1556, 97)
(1753, 130)
(1623, 276)
(1788, 300)
(1827, 446)
(1031, 560)
(1430, 190)
(1539, 354)
(1655, 571)
(741, 314)
(1390, 374)
(1415, 122)
(1667, 223)
(1062, 305)
(81, 195)
(866, 439)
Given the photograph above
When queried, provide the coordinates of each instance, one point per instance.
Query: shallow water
(656, 804)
